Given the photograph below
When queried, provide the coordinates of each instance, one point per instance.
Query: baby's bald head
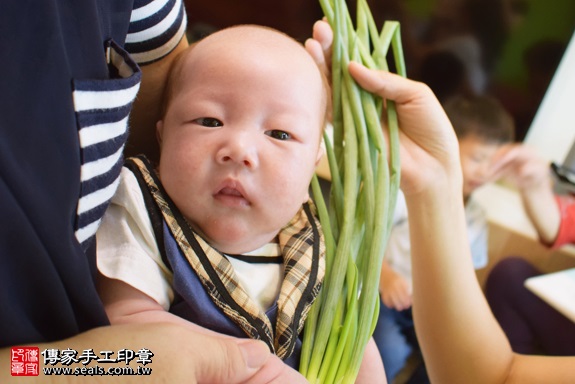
(247, 48)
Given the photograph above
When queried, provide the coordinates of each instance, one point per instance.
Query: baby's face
(476, 156)
(241, 138)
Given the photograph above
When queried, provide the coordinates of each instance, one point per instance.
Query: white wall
(553, 129)
(552, 133)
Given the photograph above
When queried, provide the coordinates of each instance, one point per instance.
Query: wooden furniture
(512, 234)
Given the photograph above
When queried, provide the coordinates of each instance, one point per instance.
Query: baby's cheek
(291, 190)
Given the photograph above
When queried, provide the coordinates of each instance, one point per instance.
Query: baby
(223, 234)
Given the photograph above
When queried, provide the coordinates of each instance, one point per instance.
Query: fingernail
(255, 352)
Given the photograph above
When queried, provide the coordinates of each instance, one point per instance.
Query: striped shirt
(67, 88)
(102, 106)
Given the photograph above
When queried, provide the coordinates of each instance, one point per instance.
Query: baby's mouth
(231, 196)
(230, 192)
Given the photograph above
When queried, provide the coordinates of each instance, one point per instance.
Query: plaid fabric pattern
(302, 276)
(303, 250)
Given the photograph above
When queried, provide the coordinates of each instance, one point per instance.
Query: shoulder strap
(153, 210)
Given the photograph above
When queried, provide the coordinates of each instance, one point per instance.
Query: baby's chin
(238, 248)
(235, 241)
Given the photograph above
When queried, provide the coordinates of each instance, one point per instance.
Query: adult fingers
(389, 85)
(420, 114)
(319, 47)
(323, 33)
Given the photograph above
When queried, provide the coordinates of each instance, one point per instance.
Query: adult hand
(213, 359)
(428, 146)
(179, 356)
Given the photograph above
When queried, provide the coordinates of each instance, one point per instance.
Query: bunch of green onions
(363, 191)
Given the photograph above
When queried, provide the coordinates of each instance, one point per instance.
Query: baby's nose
(241, 149)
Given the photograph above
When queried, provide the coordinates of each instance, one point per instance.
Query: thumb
(223, 360)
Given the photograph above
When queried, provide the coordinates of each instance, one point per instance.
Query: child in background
(482, 126)
(222, 236)
(531, 325)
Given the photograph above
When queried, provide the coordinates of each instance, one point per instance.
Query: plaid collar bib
(303, 250)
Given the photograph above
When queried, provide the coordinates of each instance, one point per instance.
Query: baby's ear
(159, 131)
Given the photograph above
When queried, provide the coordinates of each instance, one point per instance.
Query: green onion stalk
(365, 173)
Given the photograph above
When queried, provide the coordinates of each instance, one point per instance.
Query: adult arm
(158, 37)
(147, 107)
(460, 339)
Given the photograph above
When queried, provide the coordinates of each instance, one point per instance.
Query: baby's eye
(280, 135)
(209, 122)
